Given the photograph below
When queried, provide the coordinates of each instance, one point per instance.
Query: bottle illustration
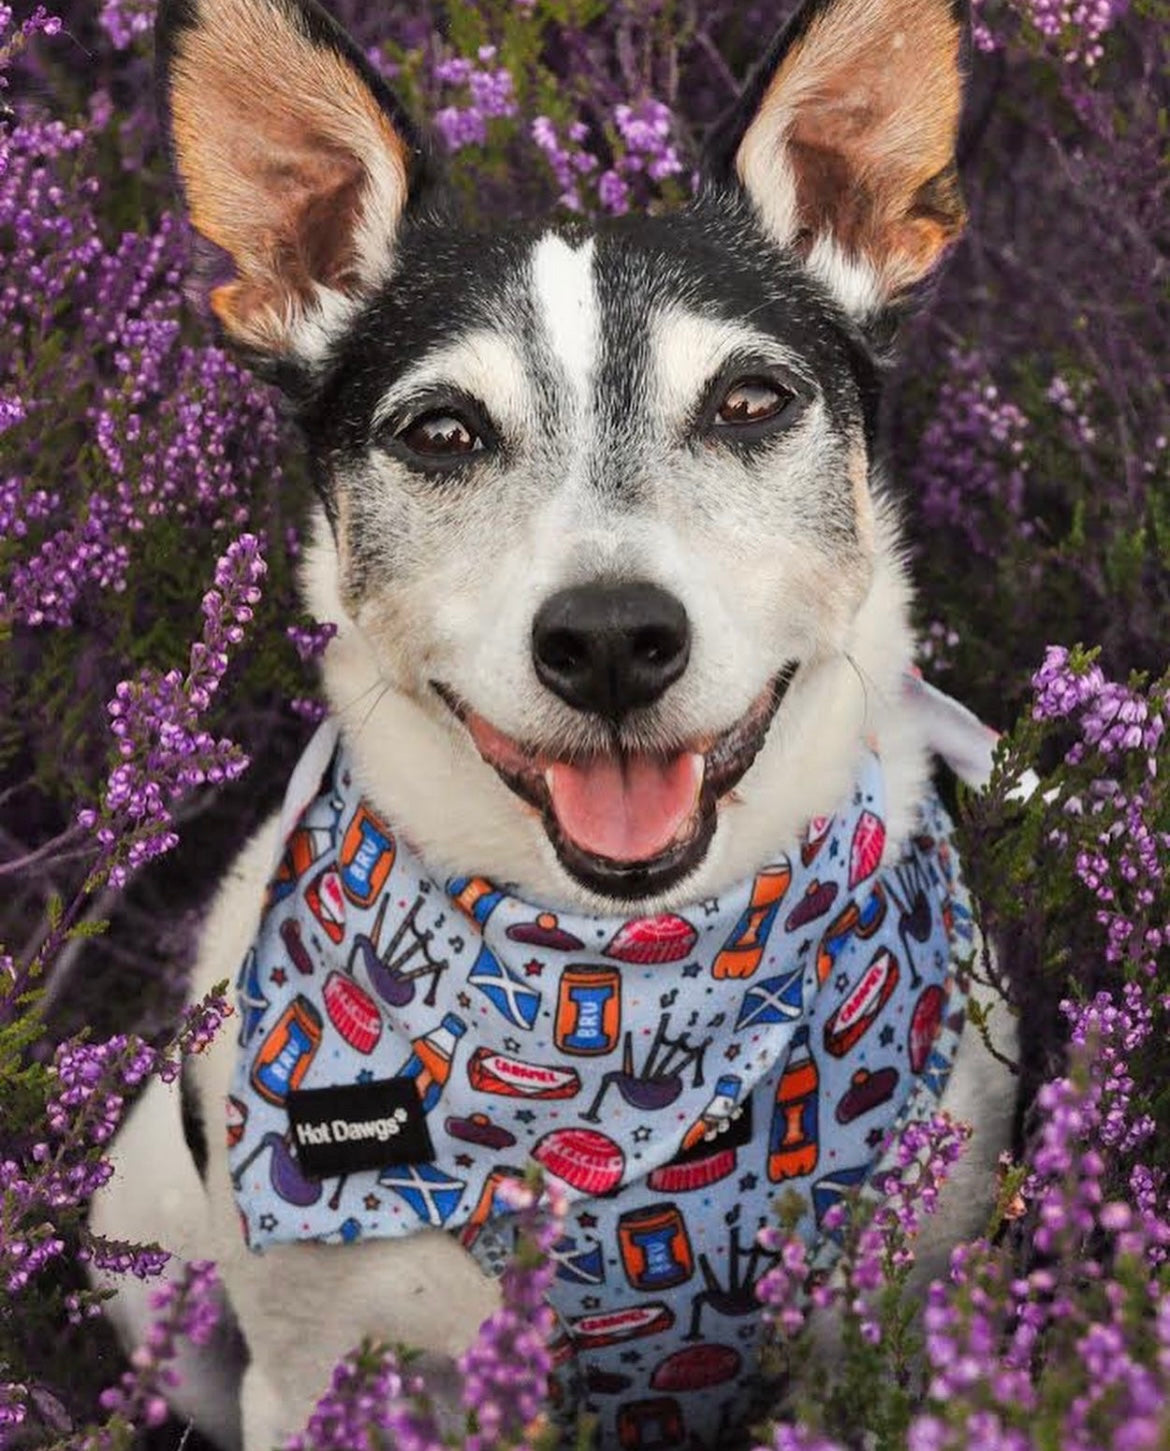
(430, 1063)
(476, 897)
(722, 1108)
(792, 1145)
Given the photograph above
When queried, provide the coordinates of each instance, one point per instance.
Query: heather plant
(1028, 429)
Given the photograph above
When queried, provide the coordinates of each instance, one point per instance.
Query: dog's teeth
(698, 764)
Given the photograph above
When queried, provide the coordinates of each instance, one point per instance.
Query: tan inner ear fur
(289, 163)
(865, 110)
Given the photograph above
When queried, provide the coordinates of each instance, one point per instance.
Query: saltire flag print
(677, 1074)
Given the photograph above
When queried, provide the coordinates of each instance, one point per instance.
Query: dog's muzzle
(629, 824)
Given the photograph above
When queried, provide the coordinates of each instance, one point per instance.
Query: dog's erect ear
(845, 138)
(293, 156)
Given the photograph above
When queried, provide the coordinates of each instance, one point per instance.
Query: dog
(623, 663)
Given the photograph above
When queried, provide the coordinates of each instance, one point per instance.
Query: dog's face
(601, 505)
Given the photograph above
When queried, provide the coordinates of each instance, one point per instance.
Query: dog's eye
(752, 400)
(440, 435)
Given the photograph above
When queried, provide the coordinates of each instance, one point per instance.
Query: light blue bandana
(677, 1074)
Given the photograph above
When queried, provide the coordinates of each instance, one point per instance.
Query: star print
(525, 1115)
(456, 943)
(591, 1302)
(692, 969)
(642, 1133)
(365, 1075)
(424, 886)
(840, 982)
(748, 1183)
(278, 976)
(511, 1045)
(710, 907)
(533, 968)
(631, 1357)
(464, 1001)
(371, 1202)
(268, 1223)
(587, 1221)
(886, 1037)
(732, 1053)
(667, 1000)
(874, 1138)
(464, 1161)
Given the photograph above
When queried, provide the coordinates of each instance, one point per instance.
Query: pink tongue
(626, 810)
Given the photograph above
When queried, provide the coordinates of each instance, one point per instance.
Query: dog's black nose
(610, 647)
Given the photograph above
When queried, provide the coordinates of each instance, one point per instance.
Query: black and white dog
(622, 622)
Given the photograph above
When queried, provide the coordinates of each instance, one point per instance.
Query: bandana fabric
(677, 1074)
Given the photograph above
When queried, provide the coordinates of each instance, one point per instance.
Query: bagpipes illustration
(660, 1080)
(745, 1269)
(385, 970)
(914, 914)
(288, 1180)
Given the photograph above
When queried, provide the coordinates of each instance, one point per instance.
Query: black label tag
(358, 1126)
(737, 1133)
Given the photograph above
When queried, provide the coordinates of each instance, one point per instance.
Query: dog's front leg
(303, 1307)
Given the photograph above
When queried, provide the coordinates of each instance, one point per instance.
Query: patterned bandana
(677, 1074)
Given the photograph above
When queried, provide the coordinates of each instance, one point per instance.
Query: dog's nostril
(563, 650)
(655, 645)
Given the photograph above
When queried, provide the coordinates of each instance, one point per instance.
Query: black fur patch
(194, 1129)
(710, 257)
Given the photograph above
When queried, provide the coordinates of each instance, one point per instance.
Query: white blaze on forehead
(566, 306)
(687, 350)
(484, 364)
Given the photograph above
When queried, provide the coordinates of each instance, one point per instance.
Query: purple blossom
(127, 21)
(1072, 30)
(972, 452)
(491, 97)
(569, 163)
(156, 721)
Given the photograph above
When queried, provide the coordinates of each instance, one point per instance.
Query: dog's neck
(369, 977)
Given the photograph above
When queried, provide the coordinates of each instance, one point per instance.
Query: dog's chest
(678, 1075)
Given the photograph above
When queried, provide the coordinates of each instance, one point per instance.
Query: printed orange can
(589, 1011)
(287, 1051)
(366, 856)
(655, 1247)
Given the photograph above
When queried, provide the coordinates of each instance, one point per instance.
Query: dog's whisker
(378, 699)
(357, 699)
(862, 677)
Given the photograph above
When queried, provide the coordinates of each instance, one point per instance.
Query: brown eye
(752, 400)
(440, 435)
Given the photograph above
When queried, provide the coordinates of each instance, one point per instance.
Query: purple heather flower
(491, 97)
(156, 721)
(972, 454)
(126, 21)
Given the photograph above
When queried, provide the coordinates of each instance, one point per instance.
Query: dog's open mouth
(629, 824)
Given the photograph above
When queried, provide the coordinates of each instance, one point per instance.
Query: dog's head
(618, 589)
